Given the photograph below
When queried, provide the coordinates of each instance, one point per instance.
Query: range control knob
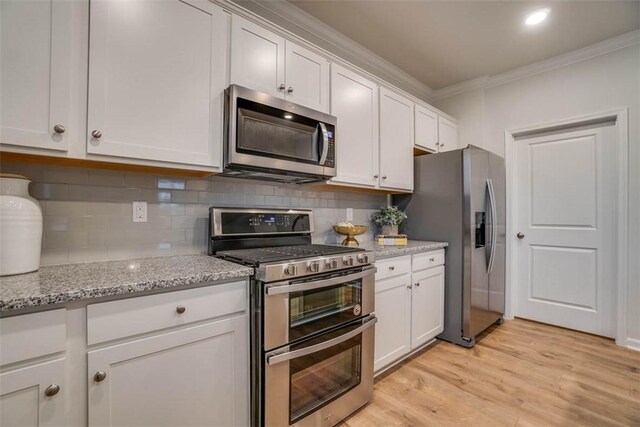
(291, 270)
(331, 264)
(347, 260)
(313, 266)
(363, 259)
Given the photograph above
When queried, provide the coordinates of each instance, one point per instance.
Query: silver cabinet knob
(59, 129)
(432, 259)
(99, 376)
(392, 267)
(520, 235)
(417, 284)
(96, 134)
(290, 90)
(281, 87)
(52, 390)
(409, 286)
(384, 176)
(375, 176)
(181, 309)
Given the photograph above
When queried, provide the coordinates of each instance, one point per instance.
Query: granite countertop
(414, 246)
(59, 284)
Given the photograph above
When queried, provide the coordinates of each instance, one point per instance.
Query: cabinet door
(393, 310)
(426, 128)
(156, 83)
(28, 396)
(447, 135)
(190, 377)
(307, 78)
(427, 306)
(257, 57)
(354, 101)
(35, 53)
(396, 141)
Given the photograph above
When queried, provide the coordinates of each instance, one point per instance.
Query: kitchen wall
(88, 212)
(602, 83)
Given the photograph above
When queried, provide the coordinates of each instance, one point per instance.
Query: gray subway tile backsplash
(88, 213)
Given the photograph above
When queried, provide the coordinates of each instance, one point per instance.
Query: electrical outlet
(139, 211)
(349, 214)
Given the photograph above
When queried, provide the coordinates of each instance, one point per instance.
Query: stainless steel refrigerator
(459, 197)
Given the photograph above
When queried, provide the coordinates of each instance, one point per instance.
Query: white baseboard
(633, 344)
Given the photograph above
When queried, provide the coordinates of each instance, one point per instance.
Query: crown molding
(305, 26)
(620, 42)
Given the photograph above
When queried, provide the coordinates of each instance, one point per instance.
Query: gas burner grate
(283, 253)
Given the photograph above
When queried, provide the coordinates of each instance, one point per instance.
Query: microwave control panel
(330, 162)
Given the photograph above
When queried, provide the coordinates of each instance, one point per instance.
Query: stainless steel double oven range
(312, 316)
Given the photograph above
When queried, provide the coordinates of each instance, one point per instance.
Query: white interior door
(565, 251)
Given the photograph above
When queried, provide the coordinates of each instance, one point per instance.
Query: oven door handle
(273, 358)
(285, 288)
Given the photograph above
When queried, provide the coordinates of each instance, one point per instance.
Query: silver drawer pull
(99, 376)
(392, 267)
(432, 259)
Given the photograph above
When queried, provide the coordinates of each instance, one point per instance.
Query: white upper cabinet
(354, 101)
(157, 74)
(307, 78)
(426, 128)
(257, 57)
(35, 51)
(396, 141)
(264, 61)
(447, 134)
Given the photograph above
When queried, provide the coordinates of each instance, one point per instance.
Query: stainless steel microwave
(272, 139)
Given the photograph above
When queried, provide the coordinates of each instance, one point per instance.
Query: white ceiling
(442, 43)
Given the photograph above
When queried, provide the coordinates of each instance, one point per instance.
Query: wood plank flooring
(519, 374)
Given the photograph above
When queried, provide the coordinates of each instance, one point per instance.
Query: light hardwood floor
(519, 374)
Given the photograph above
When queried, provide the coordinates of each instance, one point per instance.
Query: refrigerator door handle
(493, 226)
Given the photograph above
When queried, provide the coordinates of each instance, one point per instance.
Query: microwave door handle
(285, 288)
(325, 143)
(274, 357)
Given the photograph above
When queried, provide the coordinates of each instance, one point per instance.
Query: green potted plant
(389, 218)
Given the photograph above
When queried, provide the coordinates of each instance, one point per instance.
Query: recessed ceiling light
(534, 18)
(288, 116)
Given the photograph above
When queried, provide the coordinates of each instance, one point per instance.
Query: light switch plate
(139, 211)
(349, 214)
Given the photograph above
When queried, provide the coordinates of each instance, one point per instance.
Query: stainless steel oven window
(318, 309)
(321, 377)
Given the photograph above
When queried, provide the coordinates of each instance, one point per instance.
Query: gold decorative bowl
(350, 232)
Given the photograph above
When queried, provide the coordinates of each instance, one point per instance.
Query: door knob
(520, 235)
(96, 134)
(52, 390)
(100, 376)
(58, 129)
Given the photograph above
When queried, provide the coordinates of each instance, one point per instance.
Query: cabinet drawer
(428, 259)
(393, 267)
(118, 319)
(32, 335)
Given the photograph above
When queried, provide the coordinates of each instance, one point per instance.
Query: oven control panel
(236, 222)
(271, 272)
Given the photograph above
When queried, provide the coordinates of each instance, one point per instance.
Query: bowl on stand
(350, 232)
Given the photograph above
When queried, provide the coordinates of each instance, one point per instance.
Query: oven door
(270, 133)
(294, 310)
(320, 381)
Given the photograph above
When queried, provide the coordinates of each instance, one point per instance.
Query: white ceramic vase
(390, 230)
(20, 226)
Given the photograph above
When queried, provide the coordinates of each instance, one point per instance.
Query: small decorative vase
(20, 226)
(390, 230)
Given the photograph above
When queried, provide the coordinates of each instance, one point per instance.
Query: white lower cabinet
(393, 310)
(427, 305)
(409, 307)
(34, 395)
(190, 377)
